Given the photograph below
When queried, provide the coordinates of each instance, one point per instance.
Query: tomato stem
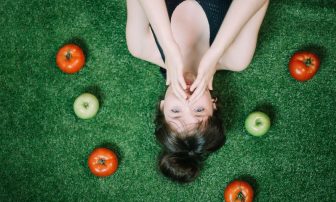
(308, 62)
(241, 197)
(68, 55)
(101, 161)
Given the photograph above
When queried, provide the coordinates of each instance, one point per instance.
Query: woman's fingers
(210, 84)
(197, 93)
(182, 81)
(167, 79)
(195, 83)
(179, 92)
(196, 96)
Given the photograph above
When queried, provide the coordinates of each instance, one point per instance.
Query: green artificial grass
(44, 146)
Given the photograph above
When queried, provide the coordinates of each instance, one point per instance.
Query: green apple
(257, 123)
(86, 106)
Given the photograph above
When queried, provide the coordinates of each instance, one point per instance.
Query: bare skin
(185, 42)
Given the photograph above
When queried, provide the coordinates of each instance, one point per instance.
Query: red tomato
(238, 191)
(103, 162)
(70, 58)
(304, 65)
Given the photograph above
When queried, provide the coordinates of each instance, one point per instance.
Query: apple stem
(258, 122)
(86, 105)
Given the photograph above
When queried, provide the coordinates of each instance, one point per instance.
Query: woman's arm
(239, 17)
(157, 14)
(139, 37)
(239, 13)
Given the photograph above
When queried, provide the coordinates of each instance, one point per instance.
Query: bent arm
(157, 15)
(239, 13)
(158, 18)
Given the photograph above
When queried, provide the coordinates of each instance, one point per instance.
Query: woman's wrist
(170, 48)
(215, 52)
(212, 56)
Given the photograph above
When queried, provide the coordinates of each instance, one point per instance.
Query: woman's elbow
(240, 66)
(133, 49)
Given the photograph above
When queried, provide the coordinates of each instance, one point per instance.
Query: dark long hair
(184, 152)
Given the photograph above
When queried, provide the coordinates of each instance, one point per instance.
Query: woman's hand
(205, 74)
(174, 66)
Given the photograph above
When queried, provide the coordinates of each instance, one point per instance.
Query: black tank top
(215, 11)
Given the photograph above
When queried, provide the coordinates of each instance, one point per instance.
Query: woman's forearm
(239, 13)
(157, 15)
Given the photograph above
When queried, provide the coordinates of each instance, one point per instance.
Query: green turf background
(44, 146)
